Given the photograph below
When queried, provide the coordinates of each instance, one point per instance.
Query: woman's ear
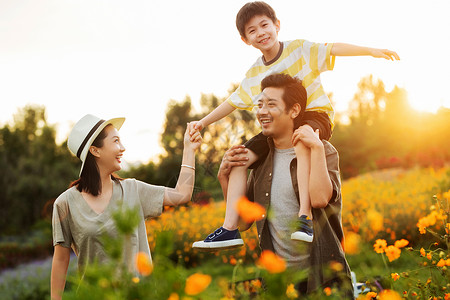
(94, 151)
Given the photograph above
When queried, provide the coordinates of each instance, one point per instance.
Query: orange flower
(401, 243)
(380, 246)
(389, 295)
(197, 283)
(271, 262)
(429, 255)
(143, 264)
(173, 296)
(250, 211)
(447, 296)
(371, 295)
(395, 276)
(422, 252)
(351, 243)
(327, 291)
(392, 252)
(441, 263)
(291, 292)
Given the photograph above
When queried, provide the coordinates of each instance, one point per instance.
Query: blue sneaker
(221, 238)
(305, 231)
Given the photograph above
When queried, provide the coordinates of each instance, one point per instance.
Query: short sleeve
(240, 98)
(318, 56)
(151, 198)
(332, 158)
(60, 224)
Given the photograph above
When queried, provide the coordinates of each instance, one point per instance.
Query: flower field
(387, 216)
(397, 242)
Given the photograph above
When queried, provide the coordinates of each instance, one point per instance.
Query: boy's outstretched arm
(218, 113)
(341, 49)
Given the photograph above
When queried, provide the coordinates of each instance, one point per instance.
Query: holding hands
(306, 135)
(192, 138)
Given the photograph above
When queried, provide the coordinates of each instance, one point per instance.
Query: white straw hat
(85, 132)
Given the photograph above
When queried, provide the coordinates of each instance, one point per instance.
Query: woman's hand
(194, 140)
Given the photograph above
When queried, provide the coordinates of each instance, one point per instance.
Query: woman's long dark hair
(89, 180)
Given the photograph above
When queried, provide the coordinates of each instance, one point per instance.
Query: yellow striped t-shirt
(299, 58)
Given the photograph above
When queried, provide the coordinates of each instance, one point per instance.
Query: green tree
(34, 169)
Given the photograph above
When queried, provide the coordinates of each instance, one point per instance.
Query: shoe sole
(218, 245)
(301, 236)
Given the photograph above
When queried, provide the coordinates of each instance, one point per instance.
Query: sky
(116, 58)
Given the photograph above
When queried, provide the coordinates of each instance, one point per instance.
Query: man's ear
(94, 151)
(295, 110)
(245, 40)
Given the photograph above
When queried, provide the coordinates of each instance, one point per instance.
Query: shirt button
(267, 194)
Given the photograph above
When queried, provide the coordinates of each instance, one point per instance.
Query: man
(273, 184)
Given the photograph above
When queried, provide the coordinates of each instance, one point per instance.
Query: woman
(82, 214)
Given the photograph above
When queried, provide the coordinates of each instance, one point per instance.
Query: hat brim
(116, 122)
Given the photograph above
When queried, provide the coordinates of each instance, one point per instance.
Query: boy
(259, 27)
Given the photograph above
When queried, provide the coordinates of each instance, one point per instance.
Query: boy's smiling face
(262, 33)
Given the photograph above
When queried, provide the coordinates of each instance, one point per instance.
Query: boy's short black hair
(251, 9)
(293, 92)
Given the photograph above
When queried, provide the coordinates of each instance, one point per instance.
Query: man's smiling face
(272, 115)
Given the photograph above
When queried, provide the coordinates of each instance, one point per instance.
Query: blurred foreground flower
(250, 211)
(291, 292)
(389, 295)
(271, 262)
(197, 283)
(143, 264)
(351, 242)
(371, 295)
(173, 296)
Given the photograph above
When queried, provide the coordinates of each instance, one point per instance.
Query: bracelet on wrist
(190, 167)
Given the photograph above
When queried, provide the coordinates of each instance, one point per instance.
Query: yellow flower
(389, 295)
(392, 252)
(291, 292)
(395, 276)
(271, 262)
(375, 220)
(327, 291)
(135, 280)
(401, 243)
(371, 295)
(250, 211)
(143, 264)
(380, 245)
(351, 243)
(173, 296)
(196, 283)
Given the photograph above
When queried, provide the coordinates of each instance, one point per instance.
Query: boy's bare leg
(237, 187)
(304, 231)
(303, 154)
(228, 236)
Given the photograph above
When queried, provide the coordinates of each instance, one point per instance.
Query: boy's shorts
(317, 120)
